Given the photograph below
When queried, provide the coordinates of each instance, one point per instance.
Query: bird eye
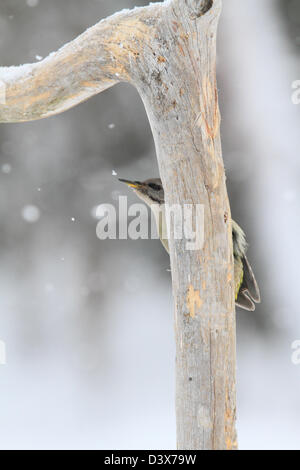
(154, 186)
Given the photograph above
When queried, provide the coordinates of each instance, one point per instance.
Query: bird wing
(249, 282)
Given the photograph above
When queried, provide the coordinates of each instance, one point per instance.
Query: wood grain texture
(180, 96)
(168, 52)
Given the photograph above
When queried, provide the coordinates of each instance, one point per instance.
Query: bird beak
(131, 184)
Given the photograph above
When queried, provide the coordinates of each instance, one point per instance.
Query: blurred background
(88, 324)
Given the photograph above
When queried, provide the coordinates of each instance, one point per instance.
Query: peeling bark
(168, 52)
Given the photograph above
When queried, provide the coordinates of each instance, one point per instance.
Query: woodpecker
(246, 288)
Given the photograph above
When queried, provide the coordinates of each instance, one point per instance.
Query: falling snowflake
(97, 212)
(6, 168)
(31, 214)
(32, 3)
(111, 126)
(114, 173)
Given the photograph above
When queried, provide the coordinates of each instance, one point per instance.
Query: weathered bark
(168, 52)
(96, 60)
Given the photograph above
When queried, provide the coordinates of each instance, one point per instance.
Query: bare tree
(168, 52)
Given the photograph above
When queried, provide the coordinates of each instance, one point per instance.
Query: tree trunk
(168, 52)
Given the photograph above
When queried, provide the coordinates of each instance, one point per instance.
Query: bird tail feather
(249, 294)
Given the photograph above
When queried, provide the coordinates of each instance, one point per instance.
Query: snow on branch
(96, 60)
(107, 53)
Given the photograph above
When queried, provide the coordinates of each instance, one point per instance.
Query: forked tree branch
(168, 52)
(96, 60)
(91, 63)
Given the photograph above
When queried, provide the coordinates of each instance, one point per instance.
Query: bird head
(150, 191)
